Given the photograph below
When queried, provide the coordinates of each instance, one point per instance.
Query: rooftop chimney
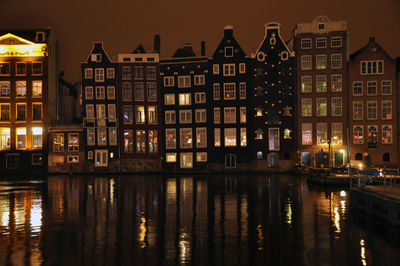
(157, 43)
(188, 47)
(228, 31)
(203, 48)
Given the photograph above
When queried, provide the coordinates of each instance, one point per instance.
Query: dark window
(37, 112)
(37, 159)
(21, 69)
(359, 156)
(386, 157)
(12, 161)
(4, 68)
(37, 68)
(21, 112)
(286, 156)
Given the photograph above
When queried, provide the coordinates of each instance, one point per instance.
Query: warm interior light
(37, 130)
(22, 47)
(21, 131)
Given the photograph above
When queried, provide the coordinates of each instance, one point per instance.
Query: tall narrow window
(36, 111)
(306, 134)
(21, 112)
(5, 138)
(139, 91)
(357, 110)
(20, 88)
(337, 133)
(306, 107)
(336, 83)
(128, 141)
(321, 107)
(217, 137)
(322, 133)
(216, 91)
(140, 141)
(140, 115)
(153, 141)
(170, 138)
(4, 88)
(37, 88)
(273, 139)
(386, 110)
(306, 84)
(5, 112)
(37, 137)
(387, 136)
(320, 83)
(21, 138)
(151, 91)
(372, 137)
(152, 114)
(358, 135)
(73, 142)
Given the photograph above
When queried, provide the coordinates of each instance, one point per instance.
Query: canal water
(201, 220)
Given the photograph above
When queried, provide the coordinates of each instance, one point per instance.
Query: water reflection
(216, 220)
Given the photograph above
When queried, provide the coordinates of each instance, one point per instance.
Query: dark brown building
(373, 106)
(139, 113)
(321, 52)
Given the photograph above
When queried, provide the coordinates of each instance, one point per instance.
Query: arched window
(273, 159)
(372, 137)
(259, 155)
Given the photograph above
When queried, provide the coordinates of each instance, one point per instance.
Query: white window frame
(169, 81)
(185, 116)
(184, 81)
(306, 62)
(201, 116)
(306, 43)
(102, 163)
(99, 75)
(362, 87)
(167, 97)
(333, 110)
(89, 92)
(199, 80)
(170, 117)
(227, 93)
(229, 115)
(336, 61)
(88, 73)
(229, 70)
(360, 115)
(199, 97)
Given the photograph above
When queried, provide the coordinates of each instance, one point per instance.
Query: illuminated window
(99, 74)
(126, 72)
(139, 91)
(336, 106)
(91, 137)
(185, 99)
(101, 158)
(320, 61)
(140, 141)
(200, 97)
(306, 133)
(88, 73)
(229, 69)
(127, 114)
(357, 110)
(243, 137)
(386, 110)
(89, 112)
(216, 91)
(201, 156)
(36, 111)
(201, 116)
(305, 44)
(112, 113)
(306, 107)
(153, 141)
(73, 158)
(372, 110)
(372, 137)
(358, 135)
(169, 99)
(5, 138)
(230, 137)
(4, 69)
(127, 91)
(230, 115)
(73, 142)
(242, 68)
(89, 93)
(336, 41)
(228, 51)
(387, 134)
(287, 133)
(21, 112)
(151, 72)
(242, 114)
(306, 84)
(110, 73)
(20, 69)
(101, 114)
(286, 111)
(321, 107)
(186, 138)
(259, 111)
(20, 88)
(217, 137)
(170, 117)
(336, 61)
(186, 160)
(215, 69)
(337, 133)
(386, 86)
(110, 92)
(229, 91)
(169, 81)
(138, 72)
(322, 133)
(199, 80)
(320, 43)
(336, 82)
(139, 114)
(242, 90)
(151, 91)
(101, 136)
(5, 112)
(4, 88)
(201, 137)
(152, 114)
(37, 137)
(273, 138)
(37, 88)
(217, 115)
(170, 158)
(357, 88)
(128, 141)
(183, 81)
(170, 138)
(306, 62)
(112, 136)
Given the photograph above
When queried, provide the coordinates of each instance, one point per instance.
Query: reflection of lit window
(185, 99)
(322, 133)
(20, 88)
(337, 135)
(37, 88)
(201, 137)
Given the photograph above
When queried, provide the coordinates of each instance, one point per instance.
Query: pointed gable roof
(272, 29)
(228, 41)
(186, 51)
(139, 50)
(98, 49)
(372, 46)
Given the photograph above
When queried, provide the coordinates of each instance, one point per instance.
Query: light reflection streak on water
(363, 259)
(184, 248)
(260, 237)
(337, 219)
(5, 218)
(142, 231)
(112, 183)
(36, 215)
(289, 213)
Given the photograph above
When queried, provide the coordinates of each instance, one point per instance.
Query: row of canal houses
(305, 101)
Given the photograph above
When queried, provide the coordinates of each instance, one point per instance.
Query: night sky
(123, 24)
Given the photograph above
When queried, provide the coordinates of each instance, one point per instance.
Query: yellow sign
(12, 45)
